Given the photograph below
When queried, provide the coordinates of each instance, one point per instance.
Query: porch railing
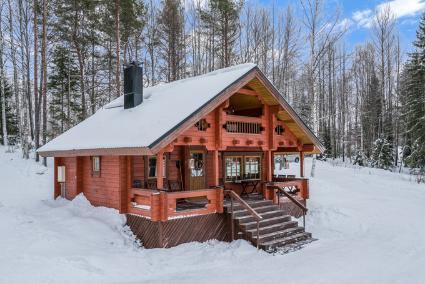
(145, 202)
(300, 183)
(280, 190)
(162, 205)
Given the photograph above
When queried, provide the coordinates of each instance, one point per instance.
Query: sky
(357, 16)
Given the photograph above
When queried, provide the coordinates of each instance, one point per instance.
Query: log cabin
(192, 160)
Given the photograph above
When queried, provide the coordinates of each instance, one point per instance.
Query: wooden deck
(165, 219)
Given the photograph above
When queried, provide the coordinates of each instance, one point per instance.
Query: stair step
(265, 222)
(278, 234)
(262, 209)
(265, 215)
(282, 242)
(253, 204)
(272, 228)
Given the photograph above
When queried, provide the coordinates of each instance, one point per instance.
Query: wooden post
(220, 200)
(301, 164)
(215, 168)
(163, 206)
(269, 163)
(160, 170)
(79, 174)
(57, 190)
(126, 184)
(129, 172)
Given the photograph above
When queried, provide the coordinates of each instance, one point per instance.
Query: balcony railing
(243, 127)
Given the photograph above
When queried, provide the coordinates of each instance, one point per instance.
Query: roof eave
(120, 151)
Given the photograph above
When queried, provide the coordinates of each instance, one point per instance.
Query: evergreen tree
(371, 115)
(11, 121)
(359, 158)
(413, 102)
(221, 21)
(382, 155)
(63, 88)
(172, 39)
(326, 141)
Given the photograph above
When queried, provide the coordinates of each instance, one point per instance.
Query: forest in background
(62, 60)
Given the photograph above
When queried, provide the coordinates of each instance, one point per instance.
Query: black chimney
(133, 85)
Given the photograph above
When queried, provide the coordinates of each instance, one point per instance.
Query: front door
(196, 170)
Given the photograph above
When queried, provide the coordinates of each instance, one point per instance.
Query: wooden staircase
(276, 231)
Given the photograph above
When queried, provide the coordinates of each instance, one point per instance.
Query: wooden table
(245, 184)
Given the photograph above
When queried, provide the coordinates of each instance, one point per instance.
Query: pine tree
(382, 155)
(221, 20)
(413, 102)
(326, 141)
(63, 88)
(359, 158)
(371, 115)
(11, 121)
(172, 39)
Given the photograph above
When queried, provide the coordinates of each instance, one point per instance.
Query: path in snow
(370, 225)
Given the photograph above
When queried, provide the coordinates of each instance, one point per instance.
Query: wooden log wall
(109, 188)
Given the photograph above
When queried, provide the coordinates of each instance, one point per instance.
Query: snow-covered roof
(164, 106)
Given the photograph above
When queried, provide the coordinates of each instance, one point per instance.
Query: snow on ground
(370, 225)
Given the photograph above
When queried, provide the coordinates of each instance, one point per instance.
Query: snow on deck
(370, 226)
(164, 106)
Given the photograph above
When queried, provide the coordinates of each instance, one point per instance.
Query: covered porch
(191, 181)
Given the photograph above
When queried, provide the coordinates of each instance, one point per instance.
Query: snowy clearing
(370, 225)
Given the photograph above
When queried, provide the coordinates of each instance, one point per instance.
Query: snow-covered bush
(359, 158)
(382, 154)
(416, 161)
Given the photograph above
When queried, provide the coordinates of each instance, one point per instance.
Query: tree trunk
(37, 106)
(117, 35)
(15, 73)
(2, 88)
(44, 64)
(25, 80)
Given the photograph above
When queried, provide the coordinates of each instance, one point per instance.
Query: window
(279, 130)
(196, 164)
(202, 125)
(252, 167)
(152, 167)
(95, 165)
(233, 168)
(243, 167)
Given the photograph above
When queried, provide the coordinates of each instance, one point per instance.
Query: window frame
(164, 157)
(96, 172)
(240, 167)
(259, 168)
(242, 156)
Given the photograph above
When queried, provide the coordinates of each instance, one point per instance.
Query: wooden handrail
(245, 205)
(290, 197)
